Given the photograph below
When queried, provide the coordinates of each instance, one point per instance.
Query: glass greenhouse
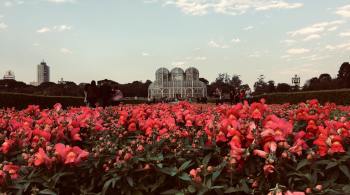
(177, 83)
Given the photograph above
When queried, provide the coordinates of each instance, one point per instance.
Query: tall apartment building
(43, 73)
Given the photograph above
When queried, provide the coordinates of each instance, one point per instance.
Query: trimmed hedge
(21, 101)
(340, 96)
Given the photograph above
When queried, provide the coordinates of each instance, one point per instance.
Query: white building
(9, 75)
(177, 83)
(43, 73)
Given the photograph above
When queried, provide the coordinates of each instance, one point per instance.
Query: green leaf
(217, 187)
(346, 188)
(130, 181)
(345, 170)
(47, 191)
(185, 165)
(215, 175)
(302, 164)
(232, 189)
(331, 165)
(172, 191)
(172, 171)
(184, 176)
(206, 159)
(107, 185)
(191, 189)
(208, 184)
(137, 193)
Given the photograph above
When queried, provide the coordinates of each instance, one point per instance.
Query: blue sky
(126, 40)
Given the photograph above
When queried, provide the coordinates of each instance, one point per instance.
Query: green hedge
(341, 96)
(21, 101)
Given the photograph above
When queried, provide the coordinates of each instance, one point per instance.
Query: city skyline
(126, 41)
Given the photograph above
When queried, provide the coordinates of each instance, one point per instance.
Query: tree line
(224, 82)
(323, 82)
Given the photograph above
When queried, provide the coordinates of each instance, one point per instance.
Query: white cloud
(65, 51)
(214, 44)
(286, 56)
(333, 28)
(248, 28)
(11, 3)
(200, 58)
(255, 55)
(280, 5)
(288, 41)
(145, 54)
(296, 51)
(317, 28)
(342, 46)
(43, 30)
(61, 1)
(62, 28)
(235, 40)
(344, 11)
(179, 63)
(150, 1)
(36, 44)
(344, 34)
(3, 26)
(312, 37)
(230, 7)
(57, 28)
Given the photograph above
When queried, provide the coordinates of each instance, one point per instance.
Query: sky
(127, 40)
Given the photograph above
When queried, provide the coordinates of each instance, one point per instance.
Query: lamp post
(296, 81)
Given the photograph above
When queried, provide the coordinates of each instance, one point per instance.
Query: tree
(283, 87)
(260, 86)
(344, 75)
(325, 81)
(235, 81)
(271, 86)
(312, 84)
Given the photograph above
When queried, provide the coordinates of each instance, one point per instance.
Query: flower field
(177, 149)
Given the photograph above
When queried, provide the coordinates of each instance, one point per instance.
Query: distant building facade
(43, 73)
(9, 75)
(177, 83)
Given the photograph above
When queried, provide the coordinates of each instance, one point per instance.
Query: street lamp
(296, 81)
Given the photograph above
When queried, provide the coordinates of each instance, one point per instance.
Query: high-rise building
(9, 75)
(43, 73)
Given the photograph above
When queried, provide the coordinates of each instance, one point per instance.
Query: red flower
(12, 170)
(41, 158)
(294, 193)
(268, 169)
(70, 155)
(260, 153)
(5, 147)
(132, 127)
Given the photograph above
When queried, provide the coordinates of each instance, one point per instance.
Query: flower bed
(176, 149)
